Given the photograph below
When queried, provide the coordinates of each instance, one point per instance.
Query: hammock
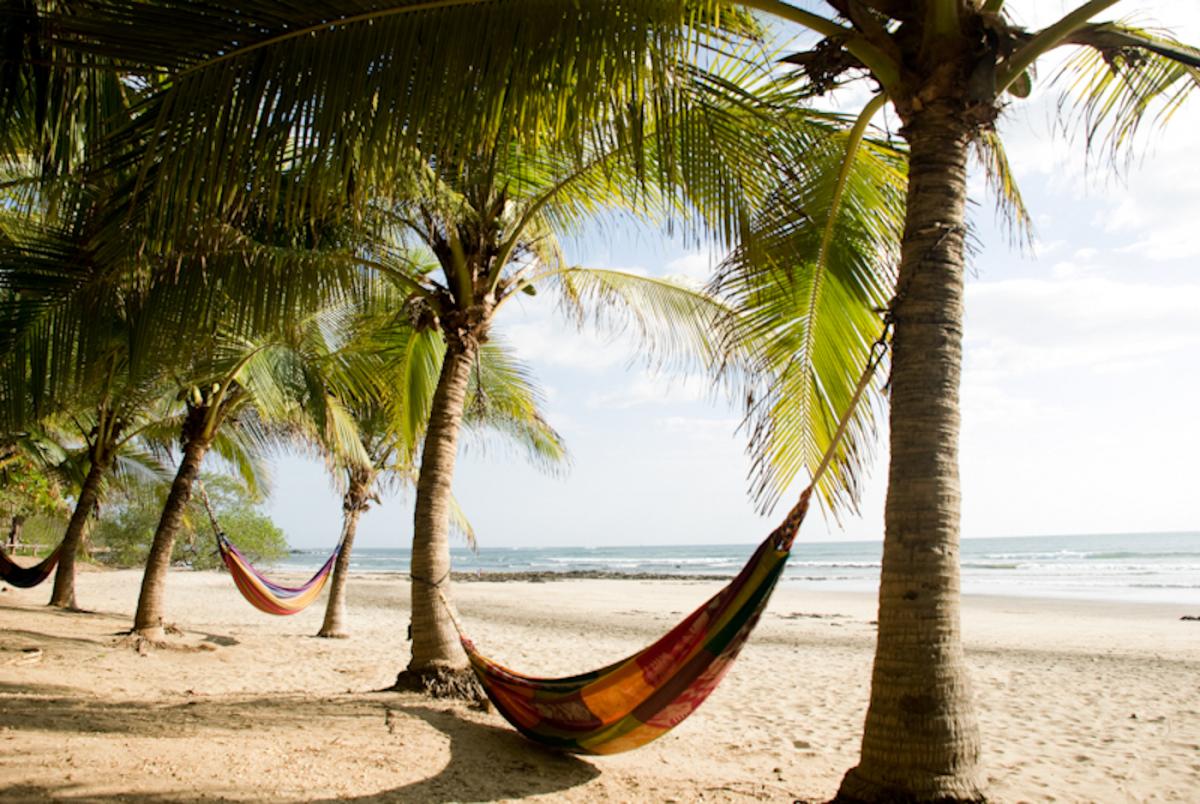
(628, 704)
(260, 591)
(266, 595)
(14, 574)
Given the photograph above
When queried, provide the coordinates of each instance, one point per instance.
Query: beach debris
(28, 656)
(1190, 618)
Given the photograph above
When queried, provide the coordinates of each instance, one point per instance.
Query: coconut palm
(403, 364)
(455, 138)
(108, 397)
(946, 67)
(258, 385)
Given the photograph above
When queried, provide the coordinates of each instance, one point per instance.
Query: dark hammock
(14, 574)
(638, 699)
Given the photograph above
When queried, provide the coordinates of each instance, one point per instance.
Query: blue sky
(1079, 390)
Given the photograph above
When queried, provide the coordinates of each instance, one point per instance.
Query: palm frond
(1009, 203)
(809, 287)
(676, 326)
(503, 399)
(1122, 77)
(344, 89)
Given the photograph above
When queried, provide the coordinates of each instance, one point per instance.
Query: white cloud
(701, 431)
(647, 388)
(696, 267)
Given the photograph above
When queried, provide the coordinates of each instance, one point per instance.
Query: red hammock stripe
(264, 594)
(634, 701)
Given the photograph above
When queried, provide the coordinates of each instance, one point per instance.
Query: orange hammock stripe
(265, 595)
(638, 699)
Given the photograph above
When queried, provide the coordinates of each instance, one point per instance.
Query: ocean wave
(1165, 585)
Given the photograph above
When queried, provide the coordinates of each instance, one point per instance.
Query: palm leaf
(1125, 76)
(809, 286)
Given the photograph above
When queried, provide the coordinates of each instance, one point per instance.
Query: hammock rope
(259, 590)
(21, 577)
(634, 701)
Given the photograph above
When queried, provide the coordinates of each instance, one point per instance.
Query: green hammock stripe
(631, 702)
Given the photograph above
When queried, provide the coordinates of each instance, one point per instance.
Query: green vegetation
(185, 180)
(122, 537)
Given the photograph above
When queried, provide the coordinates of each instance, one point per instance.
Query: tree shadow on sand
(486, 763)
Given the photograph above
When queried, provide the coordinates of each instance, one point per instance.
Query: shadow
(20, 639)
(51, 708)
(486, 763)
(39, 794)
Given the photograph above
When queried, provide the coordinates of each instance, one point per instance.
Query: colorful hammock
(266, 595)
(14, 574)
(628, 704)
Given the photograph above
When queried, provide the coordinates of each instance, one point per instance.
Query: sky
(1079, 394)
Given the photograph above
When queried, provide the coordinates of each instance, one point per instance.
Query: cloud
(701, 431)
(557, 343)
(696, 267)
(647, 388)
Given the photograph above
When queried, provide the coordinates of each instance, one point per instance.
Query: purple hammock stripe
(276, 589)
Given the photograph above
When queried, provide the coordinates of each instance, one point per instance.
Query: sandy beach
(1078, 701)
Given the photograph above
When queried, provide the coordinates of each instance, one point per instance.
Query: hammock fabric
(628, 704)
(265, 595)
(14, 574)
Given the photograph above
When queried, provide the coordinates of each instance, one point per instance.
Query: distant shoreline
(545, 576)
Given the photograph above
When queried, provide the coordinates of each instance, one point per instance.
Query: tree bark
(63, 595)
(148, 619)
(14, 530)
(921, 740)
(352, 508)
(438, 663)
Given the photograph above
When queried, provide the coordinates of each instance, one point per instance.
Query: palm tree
(945, 66)
(489, 227)
(458, 135)
(390, 421)
(206, 409)
(611, 78)
(258, 386)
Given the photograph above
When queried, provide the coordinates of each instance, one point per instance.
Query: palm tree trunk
(148, 620)
(353, 507)
(921, 740)
(63, 595)
(438, 664)
(14, 530)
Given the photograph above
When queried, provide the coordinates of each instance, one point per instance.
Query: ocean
(1151, 567)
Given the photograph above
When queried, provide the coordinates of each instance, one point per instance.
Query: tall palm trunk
(438, 661)
(63, 595)
(921, 740)
(353, 505)
(148, 619)
(14, 530)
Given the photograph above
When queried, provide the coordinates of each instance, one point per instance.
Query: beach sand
(1077, 701)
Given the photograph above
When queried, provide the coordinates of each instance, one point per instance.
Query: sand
(1077, 701)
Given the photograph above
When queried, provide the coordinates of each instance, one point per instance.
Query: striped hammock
(14, 574)
(628, 704)
(266, 595)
